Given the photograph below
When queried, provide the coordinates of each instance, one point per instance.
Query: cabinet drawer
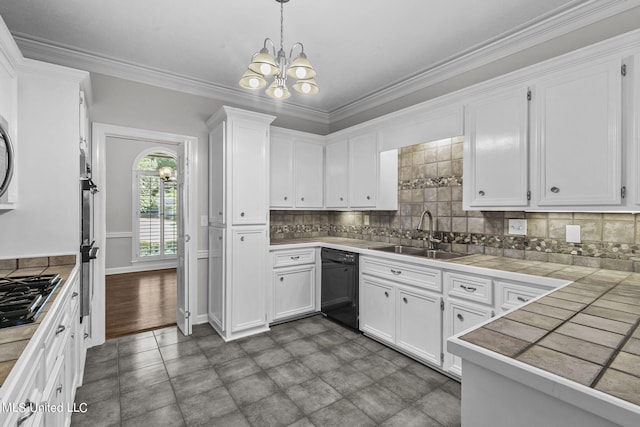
(513, 295)
(473, 288)
(294, 257)
(409, 274)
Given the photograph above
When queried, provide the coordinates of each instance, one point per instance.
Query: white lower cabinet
(377, 308)
(459, 316)
(397, 312)
(293, 283)
(419, 323)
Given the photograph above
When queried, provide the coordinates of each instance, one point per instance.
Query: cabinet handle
(219, 237)
(73, 295)
(459, 316)
(241, 213)
(386, 294)
(242, 239)
(86, 335)
(481, 193)
(555, 190)
(286, 198)
(341, 199)
(396, 272)
(219, 213)
(519, 298)
(368, 197)
(29, 404)
(405, 300)
(302, 199)
(282, 279)
(295, 257)
(61, 329)
(468, 288)
(59, 389)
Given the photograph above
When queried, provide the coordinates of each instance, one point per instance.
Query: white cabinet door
(293, 291)
(249, 172)
(377, 308)
(308, 165)
(419, 324)
(496, 151)
(217, 174)
(337, 174)
(248, 277)
(578, 137)
(460, 316)
(54, 394)
(216, 277)
(281, 172)
(363, 171)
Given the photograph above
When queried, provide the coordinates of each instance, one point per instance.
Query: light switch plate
(573, 234)
(518, 227)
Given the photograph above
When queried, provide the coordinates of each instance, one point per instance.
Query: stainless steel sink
(409, 250)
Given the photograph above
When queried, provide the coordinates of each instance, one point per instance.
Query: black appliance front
(339, 296)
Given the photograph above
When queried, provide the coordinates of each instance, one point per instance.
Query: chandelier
(263, 65)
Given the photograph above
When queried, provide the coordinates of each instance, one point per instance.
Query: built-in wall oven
(339, 297)
(6, 159)
(88, 250)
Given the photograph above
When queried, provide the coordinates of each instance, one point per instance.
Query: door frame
(100, 133)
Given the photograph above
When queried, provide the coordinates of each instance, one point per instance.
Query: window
(155, 223)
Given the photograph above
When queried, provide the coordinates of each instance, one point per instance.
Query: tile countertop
(587, 331)
(13, 340)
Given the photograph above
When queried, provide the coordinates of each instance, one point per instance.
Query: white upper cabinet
(281, 171)
(308, 166)
(337, 174)
(296, 169)
(577, 137)
(496, 151)
(363, 171)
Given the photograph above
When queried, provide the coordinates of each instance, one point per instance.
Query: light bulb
(265, 69)
(278, 92)
(253, 82)
(306, 88)
(301, 73)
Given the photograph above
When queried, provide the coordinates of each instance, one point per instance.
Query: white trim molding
(142, 266)
(119, 235)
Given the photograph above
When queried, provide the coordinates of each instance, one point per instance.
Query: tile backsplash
(430, 177)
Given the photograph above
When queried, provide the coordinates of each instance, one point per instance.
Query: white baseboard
(200, 319)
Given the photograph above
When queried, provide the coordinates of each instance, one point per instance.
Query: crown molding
(502, 46)
(42, 50)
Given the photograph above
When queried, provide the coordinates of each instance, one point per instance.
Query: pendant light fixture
(279, 66)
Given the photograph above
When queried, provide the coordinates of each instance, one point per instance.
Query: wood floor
(139, 302)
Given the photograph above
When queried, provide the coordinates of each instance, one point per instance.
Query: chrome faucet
(432, 242)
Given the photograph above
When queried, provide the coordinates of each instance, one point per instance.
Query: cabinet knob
(386, 294)
(302, 199)
(555, 190)
(242, 239)
(459, 316)
(368, 197)
(282, 279)
(341, 198)
(219, 237)
(405, 300)
(286, 198)
(219, 213)
(241, 213)
(59, 389)
(481, 193)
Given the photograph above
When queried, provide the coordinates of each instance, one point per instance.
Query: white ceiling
(358, 47)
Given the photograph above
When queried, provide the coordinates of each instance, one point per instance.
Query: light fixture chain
(281, 25)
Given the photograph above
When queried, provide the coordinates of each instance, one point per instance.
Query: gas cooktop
(22, 298)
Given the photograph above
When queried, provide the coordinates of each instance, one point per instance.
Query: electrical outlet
(518, 227)
(573, 234)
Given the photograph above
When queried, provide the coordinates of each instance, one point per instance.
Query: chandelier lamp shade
(277, 65)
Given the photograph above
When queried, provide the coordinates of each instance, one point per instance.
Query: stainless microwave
(6, 157)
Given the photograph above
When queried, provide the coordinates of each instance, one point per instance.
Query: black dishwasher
(339, 297)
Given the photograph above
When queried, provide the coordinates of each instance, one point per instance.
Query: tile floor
(310, 372)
